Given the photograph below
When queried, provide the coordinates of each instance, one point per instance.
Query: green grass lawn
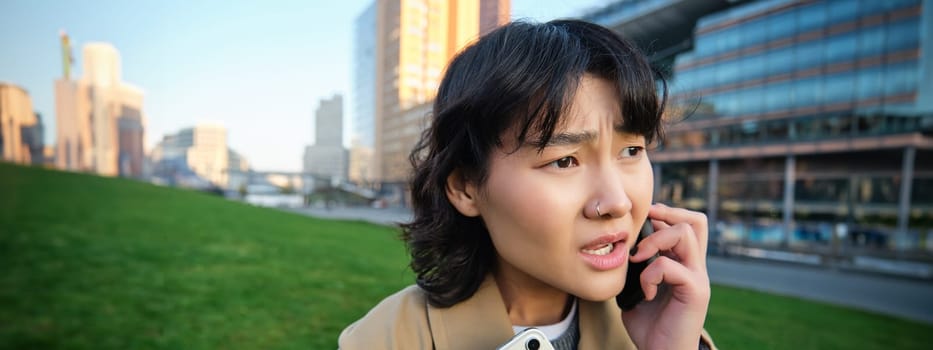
(95, 263)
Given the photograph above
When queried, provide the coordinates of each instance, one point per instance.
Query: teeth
(606, 249)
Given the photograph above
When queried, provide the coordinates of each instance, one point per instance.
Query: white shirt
(553, 331)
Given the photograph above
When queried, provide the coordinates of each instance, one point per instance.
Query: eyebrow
(576, 138)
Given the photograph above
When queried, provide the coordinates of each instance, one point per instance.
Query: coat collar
(482, 322)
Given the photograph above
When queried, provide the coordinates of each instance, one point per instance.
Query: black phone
(631, 293)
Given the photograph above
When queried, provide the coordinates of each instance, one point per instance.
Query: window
(705, 44)
(902, 35)
(730, 40)
(753, 67)
(809, 54)
(871, 7)
(749, 101)
(727, 72)
(684, 81)
(808, 92)
(781, 25)
(871, 41)
(779, 96)
(776, 130)
(704, 77)
(781, 61)
(842, 47)
(901, 78)
(895, 4)
(754, 32)
(839, 87)
(870, 83)
(841, 11)
(716, 102)
(811, 17)
(727, 104)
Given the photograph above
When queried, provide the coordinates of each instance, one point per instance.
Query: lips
(605, 249)
(607, 239)
(601, 253)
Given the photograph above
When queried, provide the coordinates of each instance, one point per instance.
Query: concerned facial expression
(566, 217)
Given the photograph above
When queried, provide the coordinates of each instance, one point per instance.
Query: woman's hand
(672, 315)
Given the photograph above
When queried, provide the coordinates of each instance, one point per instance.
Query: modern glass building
(801, 124)
(363, 98)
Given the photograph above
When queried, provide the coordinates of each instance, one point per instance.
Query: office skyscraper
(415, 41)
(327, 157)
(362, 104)
(100, 123)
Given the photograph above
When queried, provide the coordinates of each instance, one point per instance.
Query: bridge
(300, 182)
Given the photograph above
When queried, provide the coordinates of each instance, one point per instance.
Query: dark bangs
(524, 75)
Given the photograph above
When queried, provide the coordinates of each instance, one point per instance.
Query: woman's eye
(565, 162)
(633, 151)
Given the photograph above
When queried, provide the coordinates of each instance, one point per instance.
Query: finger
(685, 284)
(659, 225)
(676, 241)
(672, 216)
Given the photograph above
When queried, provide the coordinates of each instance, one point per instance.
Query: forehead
(593, 101)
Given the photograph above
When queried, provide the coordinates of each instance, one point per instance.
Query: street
(908, 298)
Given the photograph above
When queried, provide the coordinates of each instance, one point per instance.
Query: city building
(131, 133)
(327, 156)
(493, 14)
(415, 41)
(236, 161)
(363, 99)
(800, 124)
(21, 128)
(100, 124)
(196, 157)
(72, 127)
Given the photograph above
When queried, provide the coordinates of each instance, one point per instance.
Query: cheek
(639, 187)
(527, 211)
(645, 192)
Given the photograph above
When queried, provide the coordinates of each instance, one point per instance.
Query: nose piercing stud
(598, 214)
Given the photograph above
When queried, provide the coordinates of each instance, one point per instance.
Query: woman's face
(541, 207)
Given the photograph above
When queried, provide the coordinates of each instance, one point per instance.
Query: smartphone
(528, 339)
(631, 293)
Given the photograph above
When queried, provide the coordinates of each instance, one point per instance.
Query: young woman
(530, 188)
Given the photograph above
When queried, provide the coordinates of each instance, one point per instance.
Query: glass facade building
(363, 98)
(802, 124)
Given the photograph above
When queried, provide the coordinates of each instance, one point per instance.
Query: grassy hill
(90, 262)
(97, 263)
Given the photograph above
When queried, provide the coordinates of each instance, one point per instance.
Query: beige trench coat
(405, 320)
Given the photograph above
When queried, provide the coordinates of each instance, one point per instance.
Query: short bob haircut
(519, 78)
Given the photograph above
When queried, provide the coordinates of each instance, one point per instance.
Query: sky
(257, 67)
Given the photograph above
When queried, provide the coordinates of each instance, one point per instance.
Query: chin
(601, 288)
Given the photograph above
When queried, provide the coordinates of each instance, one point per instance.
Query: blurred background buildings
(414, 40)
(21, 129)
(808, 123)
(196, 157)
(100, 125)
(327, 157)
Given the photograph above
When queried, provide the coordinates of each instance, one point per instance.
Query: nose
(609, 199)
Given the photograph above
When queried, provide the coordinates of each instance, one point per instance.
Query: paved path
(912, 299)
(901, 297)
(387, 216)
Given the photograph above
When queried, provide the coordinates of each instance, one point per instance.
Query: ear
(462, 194)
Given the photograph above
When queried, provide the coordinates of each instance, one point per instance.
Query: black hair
(521, 77)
